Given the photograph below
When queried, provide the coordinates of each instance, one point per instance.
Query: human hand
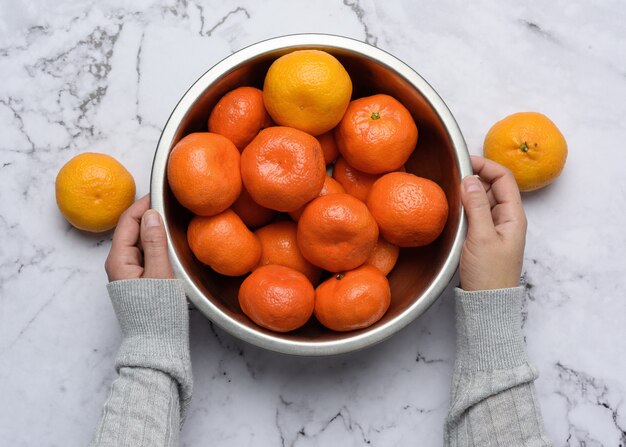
(493, 252)
(139, 248)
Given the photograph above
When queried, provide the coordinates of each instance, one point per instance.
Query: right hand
(493, 252)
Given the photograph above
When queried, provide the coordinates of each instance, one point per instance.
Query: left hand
(139, 248)
(493, 251)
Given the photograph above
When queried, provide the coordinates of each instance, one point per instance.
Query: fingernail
(472, 184)
(151, 219)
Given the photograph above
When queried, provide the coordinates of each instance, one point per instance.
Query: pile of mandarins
(257, 183)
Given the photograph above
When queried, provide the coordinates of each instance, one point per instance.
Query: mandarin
(329, 146)
(308, 90)
(352, 300)
(355, 182)
(239, 115)
(283, 168)
(224, 243)
(530, 145)
(337, 232)
(331, 186)
(204, 174)
(250, 212)
(277, 298)
(377, 134)
(92, 191)
(384, 256)
(411, 211)
(279, 246)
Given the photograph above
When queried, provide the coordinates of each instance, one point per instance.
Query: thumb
(154, 242)
(477, 208)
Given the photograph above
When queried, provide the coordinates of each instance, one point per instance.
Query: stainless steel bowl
(420, 275)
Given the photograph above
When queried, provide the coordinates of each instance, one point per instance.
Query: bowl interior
(433, 158)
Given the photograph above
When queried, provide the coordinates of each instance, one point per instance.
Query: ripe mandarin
(204, 174)
(224, 243)
(252, 214)
(329, 146)
(93, 190)
(377, 134)
(283, 168)
(239, 115)
(277, 298)
(331, 186)
(530, 145)
(384, 256)
(355, 182)
(337, 232)
(352, 300)
(308, 90)
(411, 211)
(279, 246)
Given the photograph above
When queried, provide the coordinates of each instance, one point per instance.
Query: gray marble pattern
(87, 75)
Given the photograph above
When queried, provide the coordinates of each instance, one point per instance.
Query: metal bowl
(420, 275)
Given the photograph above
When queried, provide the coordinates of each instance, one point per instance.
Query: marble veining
(104, 76)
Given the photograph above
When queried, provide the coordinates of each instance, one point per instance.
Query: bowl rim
(230, 63)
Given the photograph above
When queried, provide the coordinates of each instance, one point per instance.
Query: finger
(500, 178)
(487, 186)
(118, 265)
(477, 208)
(127, 230)
(125, 237)
(134, 256)
(505, 225)
(154, 242)
(503, 187)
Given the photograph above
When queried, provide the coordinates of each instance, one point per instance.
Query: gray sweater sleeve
(148, 401)
(493, 401)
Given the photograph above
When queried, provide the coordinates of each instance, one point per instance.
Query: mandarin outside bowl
(421, 274)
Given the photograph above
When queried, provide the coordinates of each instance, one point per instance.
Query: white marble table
(82, 75)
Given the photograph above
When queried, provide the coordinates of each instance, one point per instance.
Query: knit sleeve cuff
(489, 329)
(154, 319)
